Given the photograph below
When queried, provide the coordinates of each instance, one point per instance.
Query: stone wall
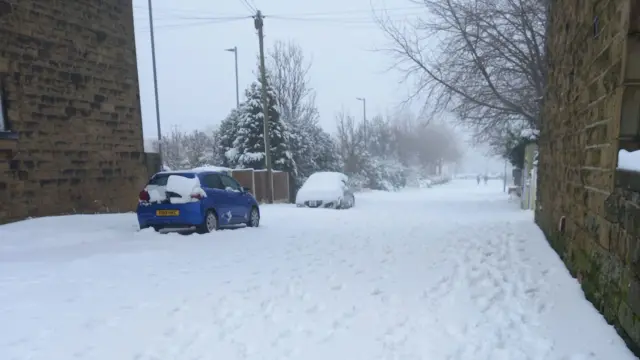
(69, 74)
(579, 191)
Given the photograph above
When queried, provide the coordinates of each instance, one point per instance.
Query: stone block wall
(69, 74)
(580, 193)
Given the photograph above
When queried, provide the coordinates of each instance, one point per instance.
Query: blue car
(192, 200)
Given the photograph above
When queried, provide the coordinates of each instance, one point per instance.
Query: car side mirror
(246, 189)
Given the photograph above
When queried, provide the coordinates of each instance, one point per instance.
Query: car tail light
(144, 196)
(196, 196)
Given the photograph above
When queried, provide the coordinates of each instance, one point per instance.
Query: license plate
(167, 212)
(313, 203)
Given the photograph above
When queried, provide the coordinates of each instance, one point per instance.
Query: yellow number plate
(167, 212)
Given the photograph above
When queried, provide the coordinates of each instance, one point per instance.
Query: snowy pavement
(453, 272)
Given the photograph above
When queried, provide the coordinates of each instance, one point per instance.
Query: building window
(4, 123)
(630, 119)
(629, 140)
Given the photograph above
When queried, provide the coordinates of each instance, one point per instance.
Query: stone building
(589, 210)
(70, 130)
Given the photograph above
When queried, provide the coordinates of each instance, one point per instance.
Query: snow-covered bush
(439, 179)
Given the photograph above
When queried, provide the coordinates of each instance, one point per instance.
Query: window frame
(629, 118)
(164, 177)
(206, 181)
(233, 181)
(4, 118)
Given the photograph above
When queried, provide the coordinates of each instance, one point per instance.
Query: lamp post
(155, 86)
(364, 115)
(504, 183)
(234, 50)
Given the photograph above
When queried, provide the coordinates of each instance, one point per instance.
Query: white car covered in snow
(326, 190)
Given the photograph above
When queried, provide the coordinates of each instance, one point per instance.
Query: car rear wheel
(254, 218)
(209, 224)
(347, 203)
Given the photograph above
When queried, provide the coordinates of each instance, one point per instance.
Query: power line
(196, 24)
(346, 21)
(210, 17)
(183, 11)
(248, 6)
(314, 16)
(329, 20)
(204, 21)
(346, 12)
(306, 18)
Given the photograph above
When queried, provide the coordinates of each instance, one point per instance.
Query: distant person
(486, 179)
(478, 179)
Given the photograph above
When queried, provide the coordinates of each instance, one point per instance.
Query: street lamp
(364, 114)
(155, 86)
(234, 50)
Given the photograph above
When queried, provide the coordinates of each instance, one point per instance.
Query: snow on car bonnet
(184, 187)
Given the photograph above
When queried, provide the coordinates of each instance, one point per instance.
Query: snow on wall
(629, 160)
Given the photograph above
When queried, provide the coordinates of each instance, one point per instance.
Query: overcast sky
(196, 75)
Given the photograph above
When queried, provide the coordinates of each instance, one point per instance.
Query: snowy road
(455, 272)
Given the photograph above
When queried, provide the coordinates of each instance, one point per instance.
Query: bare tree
(483, 60)
(350, 142)
(199, 148)
(173, 152)
(181, 150)
(289, 78)
(404, 125)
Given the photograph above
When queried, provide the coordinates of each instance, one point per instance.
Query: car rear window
(161, 179)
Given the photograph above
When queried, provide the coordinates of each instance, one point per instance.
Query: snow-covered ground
(452, 272)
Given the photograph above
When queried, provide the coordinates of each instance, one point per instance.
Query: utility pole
(259, 23)
(234, 50)
(155, 86)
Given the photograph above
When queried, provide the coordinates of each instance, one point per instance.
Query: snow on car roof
(327, 176)
(207, 168)
(197, 170)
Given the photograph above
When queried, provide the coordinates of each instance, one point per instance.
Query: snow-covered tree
(225, 135)
(312, 148)
(248, 146)
(325, 152)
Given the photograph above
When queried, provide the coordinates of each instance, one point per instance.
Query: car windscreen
(161, 179)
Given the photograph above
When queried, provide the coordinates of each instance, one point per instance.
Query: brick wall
(70, 78)
(579, 190)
